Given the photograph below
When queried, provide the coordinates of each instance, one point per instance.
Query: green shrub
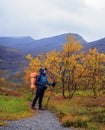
(99, 117)
(75, 121)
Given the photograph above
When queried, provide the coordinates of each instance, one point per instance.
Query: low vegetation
(13, 105)
(82, 111)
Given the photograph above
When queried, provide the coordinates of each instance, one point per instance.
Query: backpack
(33, 80)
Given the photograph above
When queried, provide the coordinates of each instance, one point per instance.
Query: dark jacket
(42, 81)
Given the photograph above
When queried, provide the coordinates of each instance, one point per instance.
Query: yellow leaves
(93, 51)
(72, 45)
(93, 60)
(29, 57)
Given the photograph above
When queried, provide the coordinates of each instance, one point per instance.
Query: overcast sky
(45, 18)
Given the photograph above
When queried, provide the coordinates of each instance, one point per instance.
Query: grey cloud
(42, 18)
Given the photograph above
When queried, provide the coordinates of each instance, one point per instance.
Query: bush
(99, 118)
(75, 121)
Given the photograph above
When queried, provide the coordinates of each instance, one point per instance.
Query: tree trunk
(63, 85)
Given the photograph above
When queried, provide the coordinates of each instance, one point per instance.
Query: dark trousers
(39, 95)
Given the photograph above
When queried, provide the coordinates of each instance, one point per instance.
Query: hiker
(41, 82)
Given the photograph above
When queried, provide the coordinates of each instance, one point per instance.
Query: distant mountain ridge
(18, 43)
(29, 45)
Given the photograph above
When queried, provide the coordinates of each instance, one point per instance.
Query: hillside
(99, 44)
(52, 43)
(18, 43)
(28, 45)
(11, 60)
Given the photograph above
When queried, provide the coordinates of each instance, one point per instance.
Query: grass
(14, 107)
(82, 111)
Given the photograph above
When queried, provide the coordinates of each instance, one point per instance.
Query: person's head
(43, 71)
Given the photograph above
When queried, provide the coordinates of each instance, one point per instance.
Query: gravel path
(44, 120)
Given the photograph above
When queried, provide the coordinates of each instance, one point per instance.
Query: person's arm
(48, 83)
(51, 84)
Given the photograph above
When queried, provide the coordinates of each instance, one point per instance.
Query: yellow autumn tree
(94, 64)
(71, 68)
(70, 65)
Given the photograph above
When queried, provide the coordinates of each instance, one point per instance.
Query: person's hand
(53, 84)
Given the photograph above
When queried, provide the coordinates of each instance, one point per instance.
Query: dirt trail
(44, 120)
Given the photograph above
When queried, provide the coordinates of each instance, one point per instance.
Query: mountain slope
(18, 43)
(28, 45)
(52, 43)
(11, 60)
(99, 44)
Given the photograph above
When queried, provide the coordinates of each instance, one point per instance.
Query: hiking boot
(33, 108)
(41, 109)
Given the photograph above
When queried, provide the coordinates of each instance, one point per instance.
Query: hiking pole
(50, 94)
(51, 90)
